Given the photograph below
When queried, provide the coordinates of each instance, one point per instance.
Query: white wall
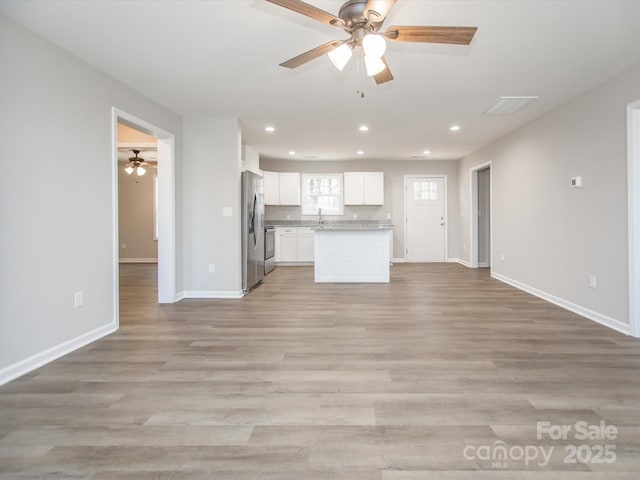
(56, 197)
(552, 236)
(250, 160)
(394, 172)
(211, 183)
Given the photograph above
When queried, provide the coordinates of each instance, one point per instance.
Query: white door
(425, 219)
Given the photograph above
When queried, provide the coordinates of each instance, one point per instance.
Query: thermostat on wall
(576, 182)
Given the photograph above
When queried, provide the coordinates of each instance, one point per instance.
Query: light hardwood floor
(319, 381)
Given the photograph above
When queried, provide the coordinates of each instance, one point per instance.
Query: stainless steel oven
(269, 249)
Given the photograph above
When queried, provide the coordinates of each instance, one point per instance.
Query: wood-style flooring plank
(313, 381)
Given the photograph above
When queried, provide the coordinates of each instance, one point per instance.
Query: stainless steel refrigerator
(252, 230)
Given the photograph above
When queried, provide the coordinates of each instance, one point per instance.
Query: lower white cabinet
(305, 244)
(286, 244)
(294, 245)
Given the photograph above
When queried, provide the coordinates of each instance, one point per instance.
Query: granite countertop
(333, 224)
(352, 227)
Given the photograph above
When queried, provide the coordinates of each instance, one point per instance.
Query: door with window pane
(425, 219)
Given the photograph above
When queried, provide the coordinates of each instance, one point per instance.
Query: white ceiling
(221, 58)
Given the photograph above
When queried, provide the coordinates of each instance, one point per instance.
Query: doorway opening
(480, 216)
(425, 225)
(633, 179)
(164, 203)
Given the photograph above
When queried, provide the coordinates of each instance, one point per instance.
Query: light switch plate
(227, 212)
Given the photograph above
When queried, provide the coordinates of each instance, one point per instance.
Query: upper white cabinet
(289, 189)
(364, 188)
(271, 188)
(281, 188)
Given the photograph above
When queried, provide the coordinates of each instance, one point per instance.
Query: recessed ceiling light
(363, 128)
(291, 152)
(454, 128)
(360, 152)
(269, 129)
(427, 152)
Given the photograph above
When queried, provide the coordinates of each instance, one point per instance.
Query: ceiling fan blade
(312, 54)
(454, 35)
(310, 11)
(385, 75)
(376, 10)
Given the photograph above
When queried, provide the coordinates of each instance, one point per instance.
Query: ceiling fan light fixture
(374, 65)
(340, 56)
(128, 169)
(140, 171)
(374, 45)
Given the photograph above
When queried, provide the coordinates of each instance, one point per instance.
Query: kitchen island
(352, 253)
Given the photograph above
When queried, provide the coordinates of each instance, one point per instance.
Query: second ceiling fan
(362, 20)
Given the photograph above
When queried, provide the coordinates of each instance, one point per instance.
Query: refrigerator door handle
(252, 221)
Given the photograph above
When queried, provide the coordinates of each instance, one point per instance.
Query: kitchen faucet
(319, 216)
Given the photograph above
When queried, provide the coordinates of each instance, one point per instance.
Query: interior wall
(57, 234)
(484, 218)
(211, 214)
(394, 172)
(552, 236)
(136, 216)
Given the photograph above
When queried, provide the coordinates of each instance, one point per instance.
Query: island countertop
(351, 228)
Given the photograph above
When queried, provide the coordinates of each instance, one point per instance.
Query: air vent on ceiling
(506, 105)
(310, 157)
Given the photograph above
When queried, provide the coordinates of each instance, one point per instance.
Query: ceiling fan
(136, 164)
(362, 20)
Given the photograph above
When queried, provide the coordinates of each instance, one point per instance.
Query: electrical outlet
(78, 299)
(124, 245)
(355, 216)
(288, 217)
(502, 257)
(593, 281)
(388, 216)
(464, 246)
(212, 268)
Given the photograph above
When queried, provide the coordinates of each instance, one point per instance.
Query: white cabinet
(289, 189)
(281, 188)
(364, 188)
(305, 244)
(294, 245)
(271, 188)
(286, 244)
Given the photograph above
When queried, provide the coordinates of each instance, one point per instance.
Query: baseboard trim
(399, 260)
(179, 296)
(29, 364)
(138, 260)
(483, 265)
(210, 294)
(460, 261)
(294, 264)
(612, 323)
